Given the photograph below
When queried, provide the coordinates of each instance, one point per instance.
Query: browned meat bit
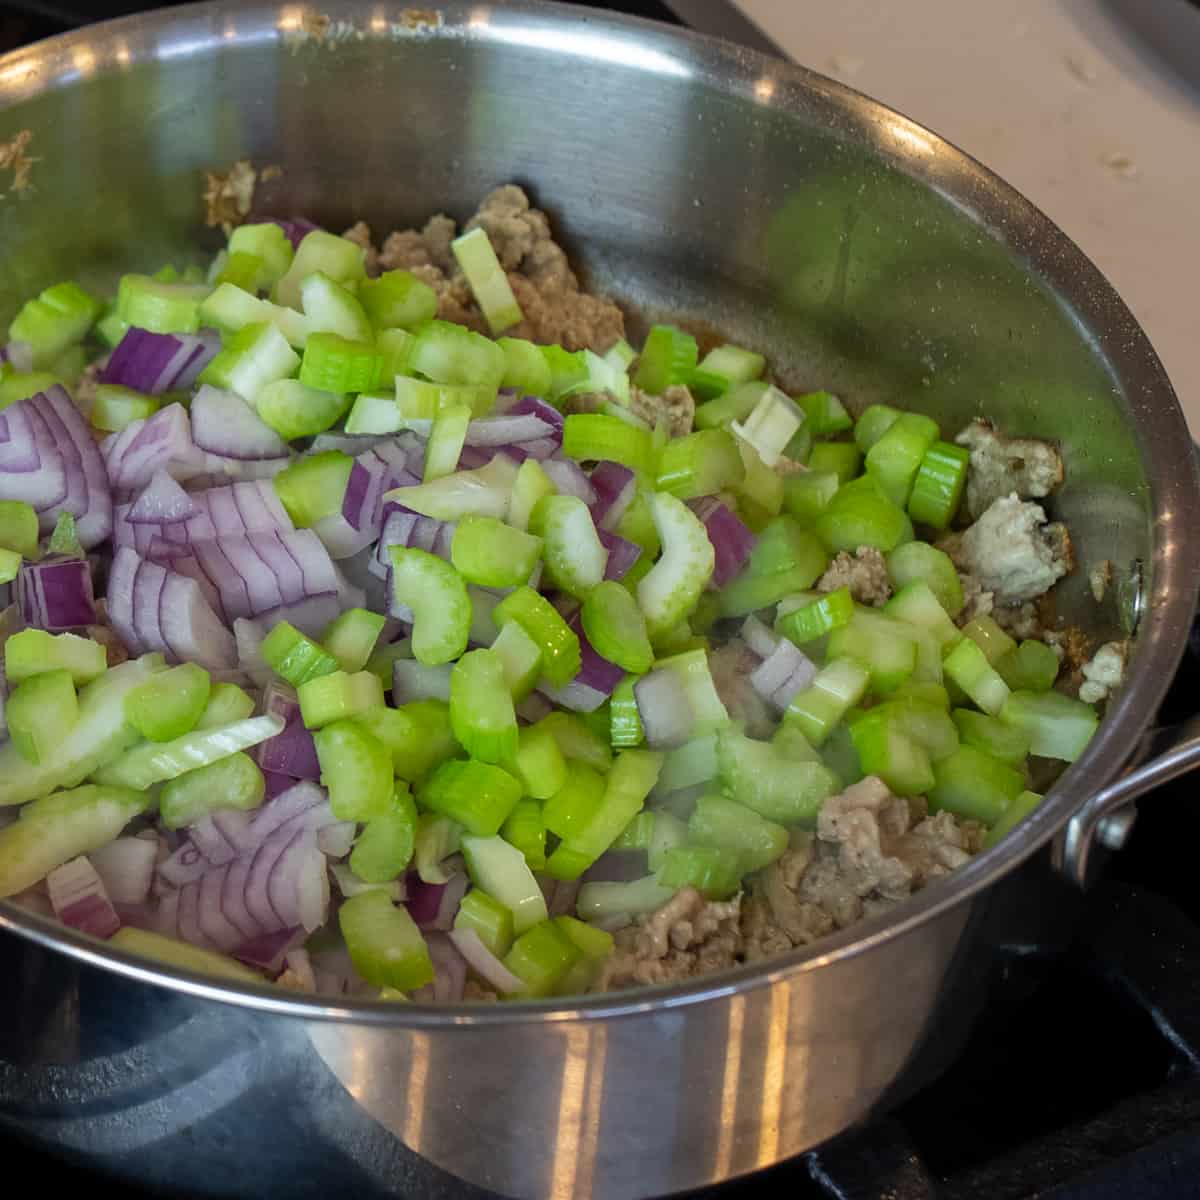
(515, 230)
(676, 404)
(1012, 551)
(1103, 671)
(427, 247)
(569, 318)
(864, 573)
(1019, 620)
(687, 936)
(360, 234)
(731, 667)
(228, 195)
(976, 601)
(999, 466)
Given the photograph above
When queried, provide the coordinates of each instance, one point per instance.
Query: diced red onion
(759, 637)
(569, 478)
(484, 963)
(786, 671)
(79, 900)
(435, 905)
(126, 868)
(360, 519)
(56, 594)
(562, 896)
(224, 424)
(615, 486)
(292, 752)
(622, 554)
(511, 429)
(449, 973)
(269, 951)
(19, 354)
(155, 363)
(276, 783)
(537, 407)
(731, 540)
(662, 702)
(296, 228)
(403, 527)
(595, 682)
(161, 500)
(161, 441)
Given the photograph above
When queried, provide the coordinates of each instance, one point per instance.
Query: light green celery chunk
(356, 769)
(938, 487)
(448, 353)
(373, 414)
(489, 284)
(481, 708)
(572, 551)
(491, 922)
(314, 486)
(1013, 815)
(711, 870)
(250, 359)
(423, 400)
(874, 422)
(520, 659)
(837, 687)
(896, 457)
(974, 785)
(232, 782)
(40, 713)
(1058, 726)
(1009, 743)
(861, 514)
(885, 646)
(295, 411)
(920, 561)
(385, 945)
(728, 825)
(10, 565)
(530, 485)
(668, 356)
(524, 829)
(840, 756)
(339, 258)
(446, 440)
(887, 750)
(541, 958)
(625, 720)
(269, 244)
(842, 459)
(412, 680)
(384, 658)
(1031, 667)
(673, 585)
(967, 666)
(394, 346)
(546, 628)
(526, 368)
(733, 364)
(478, 795)
(772, 425)
(734, 405)
(568, 809)
(918, 605)
(826, 415)
(700, 464)
(115, 406)
(760, 487)
(331, 308)
(775, 785)
(333, 363)
(397, 299)
(598, 901)
(687, 765)
(990, 638)
(576, 741)
(385, 847)
(927, 723)
(351, 637)
(295, 657)
(33, 651)
(490, 553)
(691, 669)
(567, 370)
(808, 494)
(501, 871)
(181, 956)
(484, 491)
(54, 321)
(785, 559)
(600, 437)
(637, 834)
(338, 696)
(230, 308)
(58, 828)
(64, 540)
(417, 736)
(169, 704)
(437, 596)
(818, 617)
(438, 837)
(19, 528)
(538, 764)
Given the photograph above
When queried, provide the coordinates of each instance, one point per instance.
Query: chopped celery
(576, 802)
(478, 795)
(394, 346)
(230, 308)
(490, 553)
(295, 657)
(920, 561)
(385, 847)
(356, 769)
(687, 765)
(938, 486)
(826, 415)
(896, 457)
(691, 669)
(1030, 667)
(760, 487)
(64, 540)
(254, 356)
(333, 363)
(974, 785)
(541, 957)
(700, 464)
(397, 299)
(729, 365)
(269, 244)
(875, 421)
(567, 371)
(673, 585)
(331, 308)
(840, 756)
(110, 328)
(595, 945)
(115, 406)
(538, 763)
(385, 945)
(546, 628)
(531, 484)
(885, 749)
(10, 565)
(1058, 726)
(860, 514)
(818, 617)
(337, 257)
(967, 666)
(351, 637)
(58, 828)
(1017, 810)
(885, 646)
(417, 736)
(600, 437)
(337, 696)
(421, 399)
(181, 956)
(520, 659)
(481, 708)
(807, 495)
(314, 486)
(714, 871)
(19, 528)
(502, 872)
(772, 426)
(484, 491)
(55, 320)
(412, 680)
(601, 901)
(668, 356)
(488, 918)
(838, 686)
(437, 838)
(33, 651)
(1009, 743)
(990, 638)
(785, 559)
(437, 596)
(842, 459)
(20, 385)
(918, 605)
(448, 353)
(40, 713)
(928, 724)
(169, 704)
(775, 785)
(637, 834)
(384, 658)
(932, 694)
(160, 307)
(524, 829)
(625, 719)
(573, 554)
(446, 440)
(489, 284)
(371, 414)
(576, 741)
(232, 782)
(729, 825)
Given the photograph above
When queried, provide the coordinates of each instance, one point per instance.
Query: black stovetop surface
(1090, 1090)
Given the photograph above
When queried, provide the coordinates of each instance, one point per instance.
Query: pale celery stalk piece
(488, 281)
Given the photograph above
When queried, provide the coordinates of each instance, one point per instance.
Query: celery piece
(423, 400)
(928, 724)
(478, 795)
(776, 786)
(1030, 667)
(488, 918)
(714, 871)
(526, 369)
(372, 414)
(687, 765)
(10, 565)
(837, 687)
(932, 694)
(691, 669)
(817, 618)
(58, 828)
(669, 831)
(490, 553)
(541, 957)
(384, 658)
(573, 554)
(33, 651)
(412, 680)
(337, 696)
(295, 657)
(874, 422)
(19, 528)
(437, 838)
(896, 457)
(267, 242)
(337, 257)
(886, 750)
(417, 736)
(475, 256)
(239, 268)
(594, 944)
(668, 355)
(774, 427)
(181, 956)
(502, 872)
(1009, 743)
(576, 741)
(110, 328)
(446, 440)
(385, 847)
(807, 495)
(840, 756)
(600, 437)
(673, 585)
(967, 666)
(546, 628)
(70, 364)
(250, 359)
(530, 485)
(63, 539)
(448, 353)
(385, 945)
(938, 486)
(230, 308)
(600, 901)
(397, 299)
(481, 708)
(333, 363)
(356, 769)
(115, 406)
(156, 762)
(351, 637)
(842, 459)
(484, 491)
(728, 825)
(160, 307)
(525, 830)
(1058, 726)
(395, 346)
(520, 659)
(1013, 815)
(232, 782)
(40, 713)
(732, 365)
(169, 704)
(826, 415)
(990, 638)
(920, 561)
(700, 464)
(974, 785)
(568, 810)
(567, 370)
(437, 596)
(55, 320)
(625, 719)
(98, 736)
(885, 646)
(20, 385)
(314, 486)
(331, 308)
(785, 559)
(637, 834)
(538, 763)
(760, 488)
(917, 605)
(734, 405)
(860, 514)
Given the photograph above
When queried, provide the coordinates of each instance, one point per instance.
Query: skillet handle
(1109, 815)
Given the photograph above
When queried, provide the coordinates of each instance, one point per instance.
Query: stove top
(1088, 1090)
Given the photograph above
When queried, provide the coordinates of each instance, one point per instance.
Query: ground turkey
(1000, 466)
(864, 573)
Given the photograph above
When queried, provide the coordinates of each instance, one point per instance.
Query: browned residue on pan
(418, 18)
(15, 158)
(229, 195)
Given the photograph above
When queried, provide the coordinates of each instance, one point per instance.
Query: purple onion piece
(56, 594)
(731, 540)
